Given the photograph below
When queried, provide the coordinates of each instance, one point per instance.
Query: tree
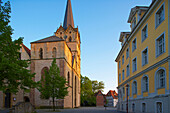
(88, 90)
(96, 86)
(14, 74)
(52, 85)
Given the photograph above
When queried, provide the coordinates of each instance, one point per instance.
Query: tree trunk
(53, 104)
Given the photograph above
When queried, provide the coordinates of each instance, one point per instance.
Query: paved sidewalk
(83, 110)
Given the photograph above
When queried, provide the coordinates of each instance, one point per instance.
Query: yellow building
(144, 60)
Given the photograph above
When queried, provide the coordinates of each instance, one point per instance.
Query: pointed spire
(68, 19)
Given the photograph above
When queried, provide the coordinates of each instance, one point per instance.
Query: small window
(60, 33)
(19, 56)
(70, 32)
(54, 52)
(127, 70)
(145, 57)
(159, 107)
(144, 33)
(70, 39)
(133, 44)
(143, 108)
(119, 64)
(123, 74)
(119, 78)
(41, 53)
(134, 87)
(127, 53)
(122, 106)
(128, 90)
(160, 15)
(123, 90)
(160, 45)
(122, 59)
(145, 84)
(133, 107)
(161, 78)
(134, 23)
(68, 78)
(134, 63)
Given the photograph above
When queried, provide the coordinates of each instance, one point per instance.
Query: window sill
(144, 64)
(156, 26)
(145, 91)
(160, 54)
(160, 88)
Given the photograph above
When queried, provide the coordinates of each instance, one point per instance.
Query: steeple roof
(68, 19)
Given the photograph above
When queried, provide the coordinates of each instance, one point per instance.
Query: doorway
(7, 99)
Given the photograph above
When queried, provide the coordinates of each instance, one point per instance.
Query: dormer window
(70, 39)
(134, 22)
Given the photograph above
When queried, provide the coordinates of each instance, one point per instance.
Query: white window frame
(156, 106)
(133, 109)
(145, 56)
(134, 68)
(134, 23)
(145, 88)
(127, 53)
(134, 87)
(119, 64)
(119, 78)
(134, 45)
(123, 59)
(159, 78)
(144, 32)
(123, 74)
(156, 15)
(127, 70)
(145, 107)
(157, 45)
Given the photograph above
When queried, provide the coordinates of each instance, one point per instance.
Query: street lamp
(127, 86)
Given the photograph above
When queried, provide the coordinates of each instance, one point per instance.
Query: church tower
(64, 45)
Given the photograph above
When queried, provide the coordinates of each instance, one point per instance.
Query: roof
(123, 34)
(136, 9)
(113, 94)
(49, 39)
(27, 50)
(68, 19)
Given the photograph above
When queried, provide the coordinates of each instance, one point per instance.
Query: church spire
(68, 19)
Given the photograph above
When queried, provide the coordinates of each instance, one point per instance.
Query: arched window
(68, 78)
(54, 52)
(145, 83)
(134, 87)
(43, 81)
(133, 107)
(143, 107)
(43, 71)
(70, 39)
(41, 53)
(161, 78)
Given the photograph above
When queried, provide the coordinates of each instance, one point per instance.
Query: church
(64, 45)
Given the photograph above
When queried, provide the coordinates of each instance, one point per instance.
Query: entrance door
(7, 99)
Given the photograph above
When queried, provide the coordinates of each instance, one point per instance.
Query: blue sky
(100, 23)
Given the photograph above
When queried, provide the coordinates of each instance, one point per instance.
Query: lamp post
(127, 86)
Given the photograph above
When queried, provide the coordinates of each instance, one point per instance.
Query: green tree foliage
(88, 90)
(13, 71)
(52, 85)
(96, 86)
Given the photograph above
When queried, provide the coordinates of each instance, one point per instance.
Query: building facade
(64, 45)
(144, 60)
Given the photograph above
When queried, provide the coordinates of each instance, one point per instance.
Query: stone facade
(64, 45)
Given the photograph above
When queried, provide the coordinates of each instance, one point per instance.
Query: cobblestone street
(84, 110)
